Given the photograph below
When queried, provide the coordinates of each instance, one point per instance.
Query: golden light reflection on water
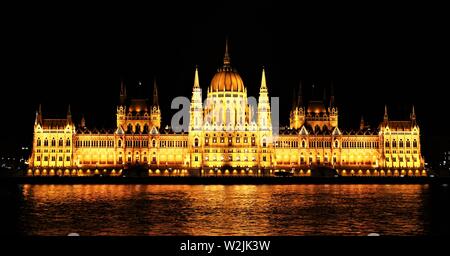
(223, 209)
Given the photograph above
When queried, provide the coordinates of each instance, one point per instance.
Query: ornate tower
(297, 117)
(196, 111)
(332, 109)
(264, 115)
(195, 139)
(155, 111)
(121, 108)
(264, 124)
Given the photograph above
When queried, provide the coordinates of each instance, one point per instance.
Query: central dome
(227, 79)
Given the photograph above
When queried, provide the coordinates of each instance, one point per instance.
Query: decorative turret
(332, 109)
(297, 117)
(155, 111)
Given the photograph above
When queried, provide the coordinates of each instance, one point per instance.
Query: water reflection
(224, 210)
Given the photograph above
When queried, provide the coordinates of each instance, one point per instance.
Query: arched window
(119, 143)
(387, 144)
(264, 142)
(61, 143)
(46, 142)
(129, 128)
(53, 142)
(401, 143)
(303, 144)
(154, 143)
(138, 128)
(196, 142)
(336, 144)
(39, 142)
(408, 144)
(394, 144)
(415, 143)
(67, 143)
(145, 128)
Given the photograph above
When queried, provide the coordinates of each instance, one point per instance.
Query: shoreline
(225, 180)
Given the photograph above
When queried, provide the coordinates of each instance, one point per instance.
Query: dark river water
(137, 210)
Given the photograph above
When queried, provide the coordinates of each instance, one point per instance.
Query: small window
(196, 142)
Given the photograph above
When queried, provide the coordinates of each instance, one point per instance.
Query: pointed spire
(361, 123)
(294, 100)
(83, 122)
(39, 115)
(155, 93)
(196, 81)
(226, 58)
(413, 114)
(123, 89)
(123, 92)
(386, 118)
(263, 80)
(332, 94)
(300, 95)
(69, 115)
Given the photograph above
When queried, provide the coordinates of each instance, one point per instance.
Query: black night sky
(77, 54)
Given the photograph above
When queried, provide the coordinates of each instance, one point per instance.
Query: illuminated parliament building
(226, 137)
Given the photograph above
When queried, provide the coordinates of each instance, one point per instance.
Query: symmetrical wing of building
(226, 136)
